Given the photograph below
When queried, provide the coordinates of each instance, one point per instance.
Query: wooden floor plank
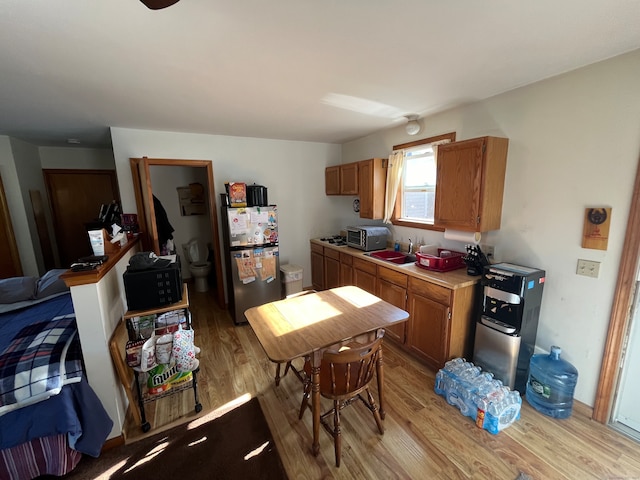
(424, 437)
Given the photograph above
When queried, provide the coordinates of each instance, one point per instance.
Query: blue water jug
(551, 384)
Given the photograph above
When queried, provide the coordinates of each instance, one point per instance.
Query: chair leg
(337, 435)
(305, 398)
(278, 374)
(376, 413)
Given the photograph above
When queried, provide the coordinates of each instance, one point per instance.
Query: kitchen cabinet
(346, 269)
(442, 306)
(365, 275)
(349, 179)
(470, 180)
(441, 322)
(331, 268)
(317, 267)
(341, 179)
(392, 288)
(332, 180)
(372, 177)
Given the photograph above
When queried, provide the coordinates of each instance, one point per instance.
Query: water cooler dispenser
(506, 330)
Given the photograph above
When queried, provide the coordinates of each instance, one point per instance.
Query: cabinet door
(331, 268)
(365, 275)
(428, 334)
(372, 178)
(332, 180)
(349, 179)
(397, 296)
(470, 180)
(346, 269)
(317, 268)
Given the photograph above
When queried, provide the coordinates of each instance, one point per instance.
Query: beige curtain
(394, 177)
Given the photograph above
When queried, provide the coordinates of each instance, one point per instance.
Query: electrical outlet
(588, 268)
(489, 251)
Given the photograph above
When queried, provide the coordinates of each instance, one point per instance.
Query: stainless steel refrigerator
(251, 255)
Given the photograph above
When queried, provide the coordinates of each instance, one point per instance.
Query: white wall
(574, 142)
(293, 172)
(76, 157)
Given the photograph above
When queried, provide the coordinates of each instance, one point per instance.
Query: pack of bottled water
(478, 395)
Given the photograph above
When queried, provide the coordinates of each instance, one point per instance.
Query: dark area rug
(235, 445)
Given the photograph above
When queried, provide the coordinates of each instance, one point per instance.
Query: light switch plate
(588, 268)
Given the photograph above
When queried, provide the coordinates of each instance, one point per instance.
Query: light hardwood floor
(425, 438)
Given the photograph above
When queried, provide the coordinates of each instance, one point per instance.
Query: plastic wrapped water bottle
(551, 384)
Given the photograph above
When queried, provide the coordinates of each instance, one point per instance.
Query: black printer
(151, 281)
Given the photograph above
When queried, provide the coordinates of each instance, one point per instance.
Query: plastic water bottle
(551, 384)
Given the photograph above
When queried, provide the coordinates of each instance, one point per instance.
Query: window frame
(395, 220)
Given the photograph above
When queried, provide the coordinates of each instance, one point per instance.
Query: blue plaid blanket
(39, 361)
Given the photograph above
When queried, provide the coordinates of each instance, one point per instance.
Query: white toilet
(196, 254)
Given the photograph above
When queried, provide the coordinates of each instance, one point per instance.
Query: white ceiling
(285, 69)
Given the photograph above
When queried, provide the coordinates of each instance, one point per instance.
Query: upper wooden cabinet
(372, 177)
(349, 179)
(341, 179)
(470, 184)
(332, 180)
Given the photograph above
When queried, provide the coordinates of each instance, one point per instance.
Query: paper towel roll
(465, 237)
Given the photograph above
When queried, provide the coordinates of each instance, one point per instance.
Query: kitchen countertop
(454, 279)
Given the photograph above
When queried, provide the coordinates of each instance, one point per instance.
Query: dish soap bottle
(396, 246)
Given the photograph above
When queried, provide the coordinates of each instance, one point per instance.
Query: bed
(49, 414)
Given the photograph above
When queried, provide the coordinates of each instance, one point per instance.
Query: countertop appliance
(507, 328)
(367, 238)
(251, 254)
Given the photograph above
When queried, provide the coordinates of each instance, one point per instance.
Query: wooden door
(75, 197)
(10, 265)
(317, 267)
(331, 268)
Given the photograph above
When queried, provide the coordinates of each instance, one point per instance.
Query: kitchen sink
(393, 257)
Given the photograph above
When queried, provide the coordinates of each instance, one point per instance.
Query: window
(415, 199)
(418, 187)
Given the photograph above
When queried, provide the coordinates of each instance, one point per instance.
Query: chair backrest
(345, 373)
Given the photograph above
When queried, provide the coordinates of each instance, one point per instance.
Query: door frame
(7, 226)
(620, 318)
(143, 192)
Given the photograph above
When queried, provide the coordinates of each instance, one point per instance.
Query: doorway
(622, 323)
(10, 265)
(76, 197)
(143, 189)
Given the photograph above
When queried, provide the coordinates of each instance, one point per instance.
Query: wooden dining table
(306, 325)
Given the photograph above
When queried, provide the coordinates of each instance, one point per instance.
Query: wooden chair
(289, 365)
(344, 375)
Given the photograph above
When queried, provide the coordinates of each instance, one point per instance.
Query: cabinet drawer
(346, 258)
(331, 253)
(364, 265)
(317, 248)
(392, 276)
(430, 290)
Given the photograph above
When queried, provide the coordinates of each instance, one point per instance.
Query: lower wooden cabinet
(346, 269)
(441, 322)
(441, 318)
(392, 288)
(331, 268)
(365, 275)
(317, 267)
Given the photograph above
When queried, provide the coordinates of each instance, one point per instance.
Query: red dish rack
(438, 263)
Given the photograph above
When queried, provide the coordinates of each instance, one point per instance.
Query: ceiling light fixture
(158, 4)
(412, 127)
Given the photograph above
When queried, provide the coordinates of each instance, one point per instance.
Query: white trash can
(291, 279)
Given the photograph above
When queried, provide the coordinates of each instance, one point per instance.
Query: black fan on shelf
(158, 4)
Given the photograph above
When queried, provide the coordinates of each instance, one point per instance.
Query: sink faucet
(410, 249)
